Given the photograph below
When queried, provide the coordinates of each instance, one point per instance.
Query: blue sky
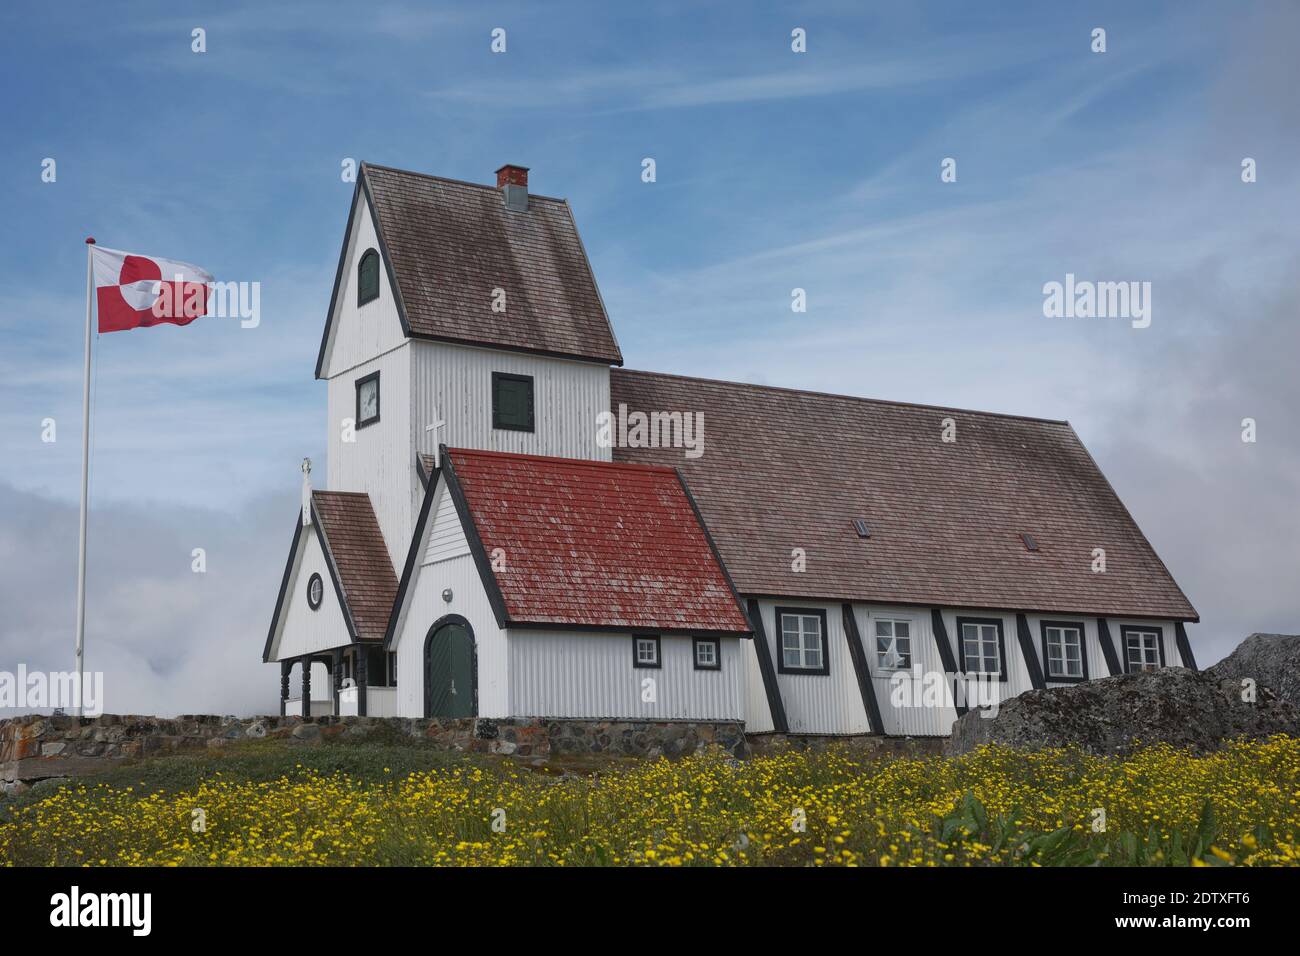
(775, 170)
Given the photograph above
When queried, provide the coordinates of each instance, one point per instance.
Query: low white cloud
(169, 641)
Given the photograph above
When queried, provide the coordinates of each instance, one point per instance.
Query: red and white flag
(138, 291)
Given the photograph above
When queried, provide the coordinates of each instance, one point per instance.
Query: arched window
(368, 277)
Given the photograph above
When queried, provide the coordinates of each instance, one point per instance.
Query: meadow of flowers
(993, 807)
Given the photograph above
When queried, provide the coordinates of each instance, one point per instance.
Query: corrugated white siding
(817, 703)
(381, 460)
(446, 537)
(910, 704)
(1096, 659)
(359, 334)
(456, 382)
(302, 630)
(382, 702)
(590, 676)
(758, 713)
(1017, 681)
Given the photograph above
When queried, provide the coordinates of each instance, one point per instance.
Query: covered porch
(356, 680)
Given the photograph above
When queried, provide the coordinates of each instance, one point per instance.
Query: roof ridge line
(591, 462)
(623, 370)
(451, 179)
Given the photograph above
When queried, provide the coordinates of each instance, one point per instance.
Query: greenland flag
(138, 291)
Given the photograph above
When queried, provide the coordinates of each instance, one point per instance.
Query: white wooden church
(517, 526)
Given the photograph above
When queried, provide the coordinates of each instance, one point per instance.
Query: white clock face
(369, 401)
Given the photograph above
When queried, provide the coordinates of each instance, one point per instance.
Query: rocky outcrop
(1270, 660)
(1184, 708)
(35, 747)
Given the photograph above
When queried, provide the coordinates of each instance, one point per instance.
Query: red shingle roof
(595, 544)
(784, 469)
(452, 243)
(356, 546)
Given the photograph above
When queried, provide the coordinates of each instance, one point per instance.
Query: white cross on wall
(436, 424)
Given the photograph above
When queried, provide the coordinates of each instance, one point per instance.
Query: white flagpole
(85, 483)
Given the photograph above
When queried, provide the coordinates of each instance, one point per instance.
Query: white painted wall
(382, 702)
(451, 568)
(906, 709)
(447, 537)
(1168, 635)
(758, 713)
(832, 704)
(359, 334)
(456, 382)
(381, 459)
(590, 676)
(1096, 659)
(818, 703)
(302, 630)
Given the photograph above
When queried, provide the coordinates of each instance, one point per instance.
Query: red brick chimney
(509, 175)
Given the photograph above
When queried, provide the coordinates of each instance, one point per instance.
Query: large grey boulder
(1177, 706)
(1270, 660)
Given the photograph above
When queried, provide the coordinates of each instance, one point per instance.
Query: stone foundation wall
(35, 748)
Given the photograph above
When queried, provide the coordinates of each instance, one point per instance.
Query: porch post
(362, 678)
(285, 667)
(338, 677)
(306, 686)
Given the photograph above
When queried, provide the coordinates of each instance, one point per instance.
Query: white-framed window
(708, 655)
(1142, 650)
(981, 646)
(893, 643)
(802, 636)
(645, 650)
(1063, 651)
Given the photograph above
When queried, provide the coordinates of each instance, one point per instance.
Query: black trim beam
(306, 687)
(1184, 646)
(860, 667)
(361, 676)
(945, 656)
(488, 576)
(1029, 653)
(1108, 647)
(284, 590)
(774, 704)
(336, 666)
(627, 628)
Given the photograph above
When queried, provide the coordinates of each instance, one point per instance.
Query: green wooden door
(450, 688)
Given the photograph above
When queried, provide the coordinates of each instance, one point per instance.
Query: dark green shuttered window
(368, 277)
(512, 402)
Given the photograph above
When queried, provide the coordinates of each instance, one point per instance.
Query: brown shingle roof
(784, 469)
(451, 243)
(356, 547)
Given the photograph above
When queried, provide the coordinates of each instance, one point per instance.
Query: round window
(315, 591)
